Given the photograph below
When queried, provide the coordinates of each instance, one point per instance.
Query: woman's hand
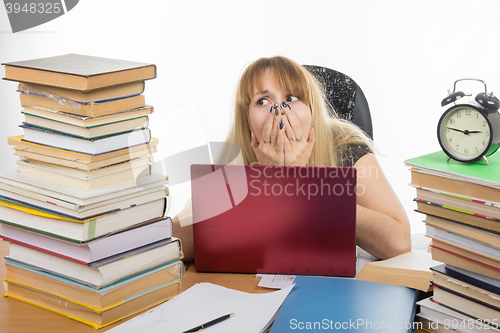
(271, 148)
(298, 145)
(287, 143)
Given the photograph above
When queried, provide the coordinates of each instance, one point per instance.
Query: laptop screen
(274, 219)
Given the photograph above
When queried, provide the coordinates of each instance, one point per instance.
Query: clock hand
(455, 129)
(465, 131)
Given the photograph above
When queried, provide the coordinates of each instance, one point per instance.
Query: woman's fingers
(298, 153)
(269, 150)
(268, 127)
(310, 141)
(288, 128)
(295, 125)
(280, 138)
(282, 141)
(289, 134)
(276, 128)
(255, 145)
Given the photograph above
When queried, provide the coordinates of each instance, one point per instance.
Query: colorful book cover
(477, 172)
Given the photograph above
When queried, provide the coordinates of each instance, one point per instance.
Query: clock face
(464, 133)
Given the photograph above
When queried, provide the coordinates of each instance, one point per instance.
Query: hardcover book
(89, 132)
(490, 250)
(99, 298)
(75, 230)
(461, 204)
(94, 250)
(88, 180)
(92, 109)
(481, 235)
(455, 321)
(98, 95)
(78, 72)
(84, 161)
(470, 306)
(475, 172)
(450, 185)
(439, 211)
(104, 272)
(40, 188)
(86, 146)
(96, 318)
(471, 261)
(79, 212)
(467, 283)
(85, 121)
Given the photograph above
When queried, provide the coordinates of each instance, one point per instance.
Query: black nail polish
(281, 125)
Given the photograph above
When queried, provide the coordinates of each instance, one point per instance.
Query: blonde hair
(331, 133)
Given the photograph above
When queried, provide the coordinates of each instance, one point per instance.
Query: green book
(474, 172)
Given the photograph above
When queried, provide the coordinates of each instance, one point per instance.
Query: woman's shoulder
(350, 153)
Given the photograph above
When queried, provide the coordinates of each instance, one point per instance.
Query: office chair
(345, 96)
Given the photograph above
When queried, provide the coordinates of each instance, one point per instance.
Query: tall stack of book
(461, 203)
(84, 214)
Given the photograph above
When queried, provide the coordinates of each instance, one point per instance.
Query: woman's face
(272, 92)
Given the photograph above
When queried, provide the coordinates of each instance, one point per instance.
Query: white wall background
(404, 55)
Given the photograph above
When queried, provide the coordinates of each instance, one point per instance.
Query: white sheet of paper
(419, 242)
(275, 281)
(362, 258)
(204, 302)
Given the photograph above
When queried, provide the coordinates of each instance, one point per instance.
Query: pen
(210, 323)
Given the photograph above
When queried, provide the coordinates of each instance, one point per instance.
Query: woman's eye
(263, 101)
(292, 99)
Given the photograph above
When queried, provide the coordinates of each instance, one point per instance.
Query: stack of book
(461, 203)
(85, 216)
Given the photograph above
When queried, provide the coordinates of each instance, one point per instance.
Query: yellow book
(97, 318)
(104, 298)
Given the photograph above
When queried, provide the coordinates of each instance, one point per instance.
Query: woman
(281, 119)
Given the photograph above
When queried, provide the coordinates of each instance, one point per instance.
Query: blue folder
(322, 304)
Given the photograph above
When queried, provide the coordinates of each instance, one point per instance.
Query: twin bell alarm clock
(469, 129)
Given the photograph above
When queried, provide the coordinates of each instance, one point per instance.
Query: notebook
(318, 303)
(274, 219)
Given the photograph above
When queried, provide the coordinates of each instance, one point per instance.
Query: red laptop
(274, 219)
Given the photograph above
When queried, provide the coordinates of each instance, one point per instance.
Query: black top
(352, 153)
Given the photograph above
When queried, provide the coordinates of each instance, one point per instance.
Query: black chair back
(345, 96)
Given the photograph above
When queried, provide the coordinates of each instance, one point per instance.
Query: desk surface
(16, 316)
